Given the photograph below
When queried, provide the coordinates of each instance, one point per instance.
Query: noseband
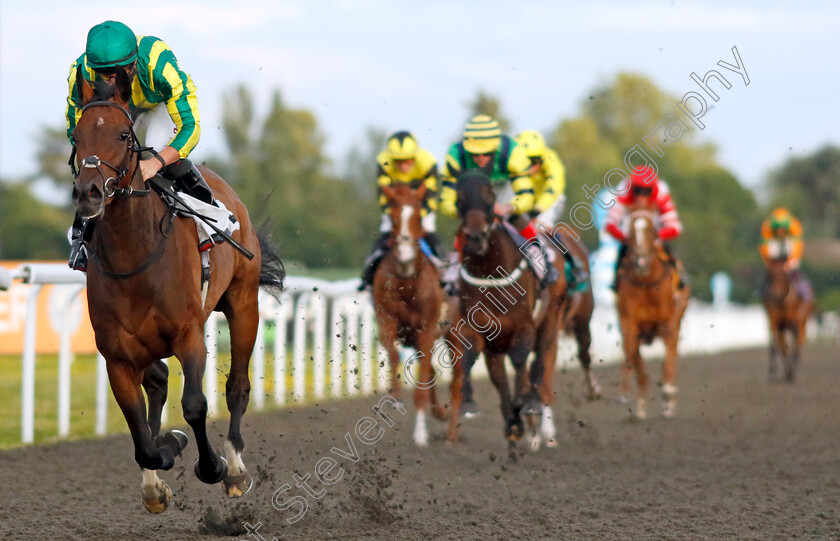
(110, 185)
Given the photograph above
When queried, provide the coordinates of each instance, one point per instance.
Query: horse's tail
(272, 270)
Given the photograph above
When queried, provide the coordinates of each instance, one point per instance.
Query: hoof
(641, 410)
(469, 409)
(156, 499)
(532, 407)
(237, 486)
(211, 478)
(534, 443)
(668, 413)
(551, 443)
(174, 440)
(623, 400)
(440, 412)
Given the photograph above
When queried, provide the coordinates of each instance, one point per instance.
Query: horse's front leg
(210, 468)
(583, 337)
(423, 387)
(545, 362)
(775, 348)
(151, 453)
(388, 337)
(633, 362)
(155, 492)
(513, 422)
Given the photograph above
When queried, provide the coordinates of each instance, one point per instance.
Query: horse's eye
(124, 136)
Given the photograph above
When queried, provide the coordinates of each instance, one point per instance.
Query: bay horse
(650, 304)
(787, 312)
(144, 294)
(577, 309)
(407, 298)
(497, 298)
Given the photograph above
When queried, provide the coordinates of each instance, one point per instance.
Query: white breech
(158, 125)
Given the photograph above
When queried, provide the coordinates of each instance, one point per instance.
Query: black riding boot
(436, 246)
(373, 260)
(579, 274)
(78, 253)
(188, 179)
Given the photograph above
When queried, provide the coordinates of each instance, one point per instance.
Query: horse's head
(404, 206)
(777, 283)
(642, 240)
(476, 200)
(104, 145)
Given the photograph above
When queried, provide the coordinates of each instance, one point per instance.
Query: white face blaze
(640, 227)
(405, 244)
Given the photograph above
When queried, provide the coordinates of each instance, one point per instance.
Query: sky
(415, 65)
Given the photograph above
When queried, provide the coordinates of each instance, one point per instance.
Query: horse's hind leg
(583, 337)
(669, 372)
(155, 492)
(547, 360)
(210, 468)
(243, 322)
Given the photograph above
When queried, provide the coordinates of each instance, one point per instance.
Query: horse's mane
(474, 192)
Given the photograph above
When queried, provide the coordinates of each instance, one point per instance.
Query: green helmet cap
(110, 44)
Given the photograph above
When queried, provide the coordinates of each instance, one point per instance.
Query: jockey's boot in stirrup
(78, 252)
(373, 260)
(436, 252)
(541, 259)
(579, 273)
(188, 179)
(450, 275)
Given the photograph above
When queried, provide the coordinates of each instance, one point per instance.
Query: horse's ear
(83, 87)
(390, 192)
(487, 195)
(123, 86)
(420, 192)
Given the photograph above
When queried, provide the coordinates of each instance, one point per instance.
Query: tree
(486, 104)
(30, 229)
(278, 170)
(720, 217)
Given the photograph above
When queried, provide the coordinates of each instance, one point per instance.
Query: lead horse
(144, 295)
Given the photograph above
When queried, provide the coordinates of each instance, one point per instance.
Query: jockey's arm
(426, 163)
(555, 181)
(521, 182)
(448, 193)
(671, 225)
(614, 219)
(179, 95)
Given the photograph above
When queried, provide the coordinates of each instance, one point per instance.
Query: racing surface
(743, 459)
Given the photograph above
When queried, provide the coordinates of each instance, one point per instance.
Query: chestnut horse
(498, 293)
(407, 298)
(144, 294)
(788, 313)
(650, 305)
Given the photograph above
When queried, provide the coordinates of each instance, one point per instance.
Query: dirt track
(743, 460)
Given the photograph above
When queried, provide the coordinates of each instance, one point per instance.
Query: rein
(156, 254)
(110, 186)
(646, 284)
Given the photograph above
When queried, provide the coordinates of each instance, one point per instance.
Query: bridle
(630, 273)
(110, 185)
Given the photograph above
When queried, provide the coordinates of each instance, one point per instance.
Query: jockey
(483, 147)
(651, 193)
(549, 178)
(404, 162)
(781, 240)
(172, 130)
